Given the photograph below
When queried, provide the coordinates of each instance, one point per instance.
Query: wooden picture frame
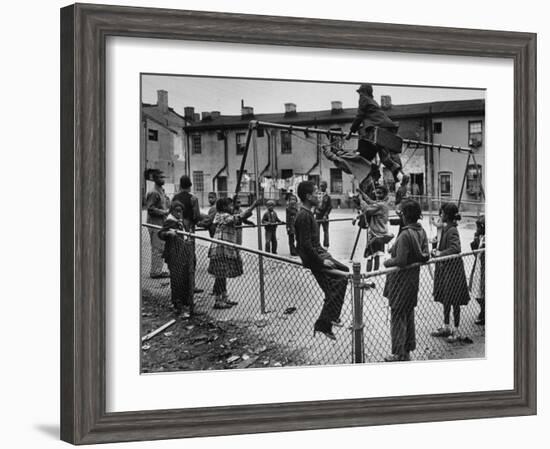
(84, 29)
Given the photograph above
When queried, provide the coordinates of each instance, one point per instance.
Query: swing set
(336, 138)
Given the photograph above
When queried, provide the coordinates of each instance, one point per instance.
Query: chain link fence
(456, 284)
(278, 304)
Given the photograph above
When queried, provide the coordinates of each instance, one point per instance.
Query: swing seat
(387, 139)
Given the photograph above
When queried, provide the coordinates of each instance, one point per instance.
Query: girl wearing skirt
(450, 286)
(225, 261)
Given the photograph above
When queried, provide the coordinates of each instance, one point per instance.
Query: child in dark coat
(330, 274)
(450, 286)
(401, 287)
(270, 220)
(179, 255)
(291, 212)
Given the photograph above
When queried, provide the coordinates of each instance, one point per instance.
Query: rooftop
(396, 112)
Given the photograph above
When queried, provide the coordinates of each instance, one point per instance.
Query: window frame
(194, 148)
(439, 177)
(286, 145)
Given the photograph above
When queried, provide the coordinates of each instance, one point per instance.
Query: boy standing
(328, 272)
(157, 204)
(208, 220)
(270, 220)
(322, 212)
(291, 212)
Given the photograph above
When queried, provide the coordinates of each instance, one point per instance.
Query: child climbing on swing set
(376, 213)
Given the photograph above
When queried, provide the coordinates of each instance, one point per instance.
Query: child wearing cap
(270, 220)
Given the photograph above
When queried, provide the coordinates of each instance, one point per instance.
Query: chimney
(247, 112)
(385, 102)
(290, 109)
(215, 114)
(336, 107)
(206, 116)
(189, 113)
(162, 101)
(196, 117)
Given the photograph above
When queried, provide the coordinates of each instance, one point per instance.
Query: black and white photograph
(291, 223)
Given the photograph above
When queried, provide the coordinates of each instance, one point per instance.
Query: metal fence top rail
(232, 245)
(432, 261)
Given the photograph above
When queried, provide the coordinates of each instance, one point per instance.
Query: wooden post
(358, 338)
(254, 130)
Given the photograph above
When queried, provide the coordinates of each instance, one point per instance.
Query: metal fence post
(358, 324)
(254, 129)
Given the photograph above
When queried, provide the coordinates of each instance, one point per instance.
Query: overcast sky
(265, 96)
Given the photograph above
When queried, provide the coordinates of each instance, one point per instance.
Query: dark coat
(370, 114)
(450, 286)
(178, 249)
(291, 212)
(401, 286)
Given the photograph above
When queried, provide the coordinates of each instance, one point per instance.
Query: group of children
(401, 287)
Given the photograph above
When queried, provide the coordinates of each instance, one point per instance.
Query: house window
(437, 127)
(153, 134)
(475, 133)
(286, 142)
(198, 181)
(287, 173)
(336, 180)
(445, 185)
(473, 179)
(196, 144)
(241, 142)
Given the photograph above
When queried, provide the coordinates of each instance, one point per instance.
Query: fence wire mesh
(272, 324)
(446, 291)
(278, 304)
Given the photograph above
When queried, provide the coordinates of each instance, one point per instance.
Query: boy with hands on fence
(179, 255)
(330, 274)
(401, 288)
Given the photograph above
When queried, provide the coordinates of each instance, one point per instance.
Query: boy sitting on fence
(270, 220)
(328, 272)
(179, 255)
(401, 289)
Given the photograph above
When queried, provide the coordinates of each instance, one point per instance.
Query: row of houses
(209, 147)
